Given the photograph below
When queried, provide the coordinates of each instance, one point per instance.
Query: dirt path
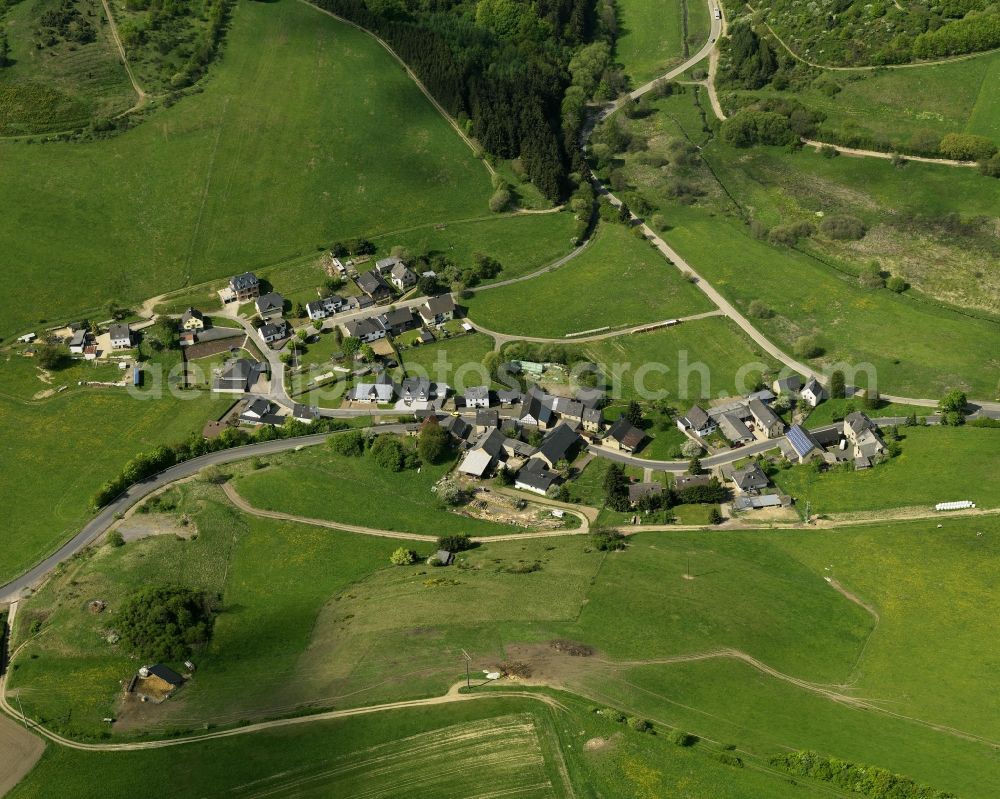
(233, 496)
(871, 68)
(503, 338)
(143, 98)
(854, 151)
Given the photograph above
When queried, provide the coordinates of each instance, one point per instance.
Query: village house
(385, 265)
(259, 411)
(765, 420)
(750, 479)
(863, 436)
(477, 397)
(787, 385)
(697, 421)
(192, 319)
(244, 287)
(802, 445)
(270, 305)
(640, 491)
(559, 444)
(402, 277)
(438, 310)
(734, 429)
(457, 427)
(477, 463)
(487, 419)
(813, 393)
(373, 284)
(397, 321)
(534, 476)
(416, 389)
(121, 337)
(238, 376)
(683, 481)
(624, 435)
(536, 409)
(325, 307)
(79, 341)
(304, 413)
(508, 397)
(357, 303)
(274, 331)
(381, 392)
(367, 330)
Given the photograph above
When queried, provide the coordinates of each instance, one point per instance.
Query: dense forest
(501, 67)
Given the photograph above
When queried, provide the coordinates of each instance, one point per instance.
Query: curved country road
(134, 494)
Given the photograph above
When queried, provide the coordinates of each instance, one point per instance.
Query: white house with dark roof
(813, 392)
(534, 476)
(698, 421)
(802, 445)
(787, 385)
(438, 310)
(402, 277)
(374, 285)
(270, 332)
(367, 330)
(79, 341)
(765, 420)
(477, 397)
(121, 337)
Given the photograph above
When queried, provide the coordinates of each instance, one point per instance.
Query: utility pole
(468, 659)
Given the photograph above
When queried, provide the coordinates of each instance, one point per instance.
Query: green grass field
(59, 450)
(650, 38)
(258, 168)
(703, 359)
(320, 484)
(854, 325)
(828, 410)
(456, 361)
(617, 281)
(62, 86)
(316, 618)
(903, 108)
(521, 243)
(937, 464)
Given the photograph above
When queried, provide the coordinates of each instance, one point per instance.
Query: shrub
(403, 557)
(749, 127)
(451, 493)
(897, 284)
(838, 389)
(990, 167)
(681, 738)
(615, 715)
(388, 452)
(433, 443)
(871, 277)
(843, 227)
(607, 539)
(350, 444)
(807, 347)
(715, 516)
(691, 449)
(967, 147)
(455, 543)
(115, 539)
(869, 781)
(789, 234)
(500, 200)
(759, 310)
(728, 758)
(640, 725)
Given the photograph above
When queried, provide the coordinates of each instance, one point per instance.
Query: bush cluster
(871, 781)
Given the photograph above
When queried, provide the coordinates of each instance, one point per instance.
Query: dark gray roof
(487, 417)
(534, 474)
(371, 282)
(697, 417)
(790, 384)
(492, 442)
(415, 387)
(457, 426)
(119, 331)
(750, 477)
(637, 491)
(559, 442)
(362, 328)
(300, 411)
(245, 281)
(858, 422)
(688, 480)
(397, 317)
(814, 386)
(443, 303)
(535, 406)
(166, 674)
(270, 302)
(763, 414)
(257, 406)
(477, 393)
(190, 313)
(274, 329)
(626, 433)
(509, 395)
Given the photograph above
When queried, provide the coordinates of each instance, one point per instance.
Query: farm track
(240, 502)
(143, 98)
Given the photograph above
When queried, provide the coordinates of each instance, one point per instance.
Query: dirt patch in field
(145, 525)
(599, 744)
(38, 395)
(19, 751)
(546, 665)
(504, 509)
(134, 714)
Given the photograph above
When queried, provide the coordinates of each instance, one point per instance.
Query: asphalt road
(98, 525)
